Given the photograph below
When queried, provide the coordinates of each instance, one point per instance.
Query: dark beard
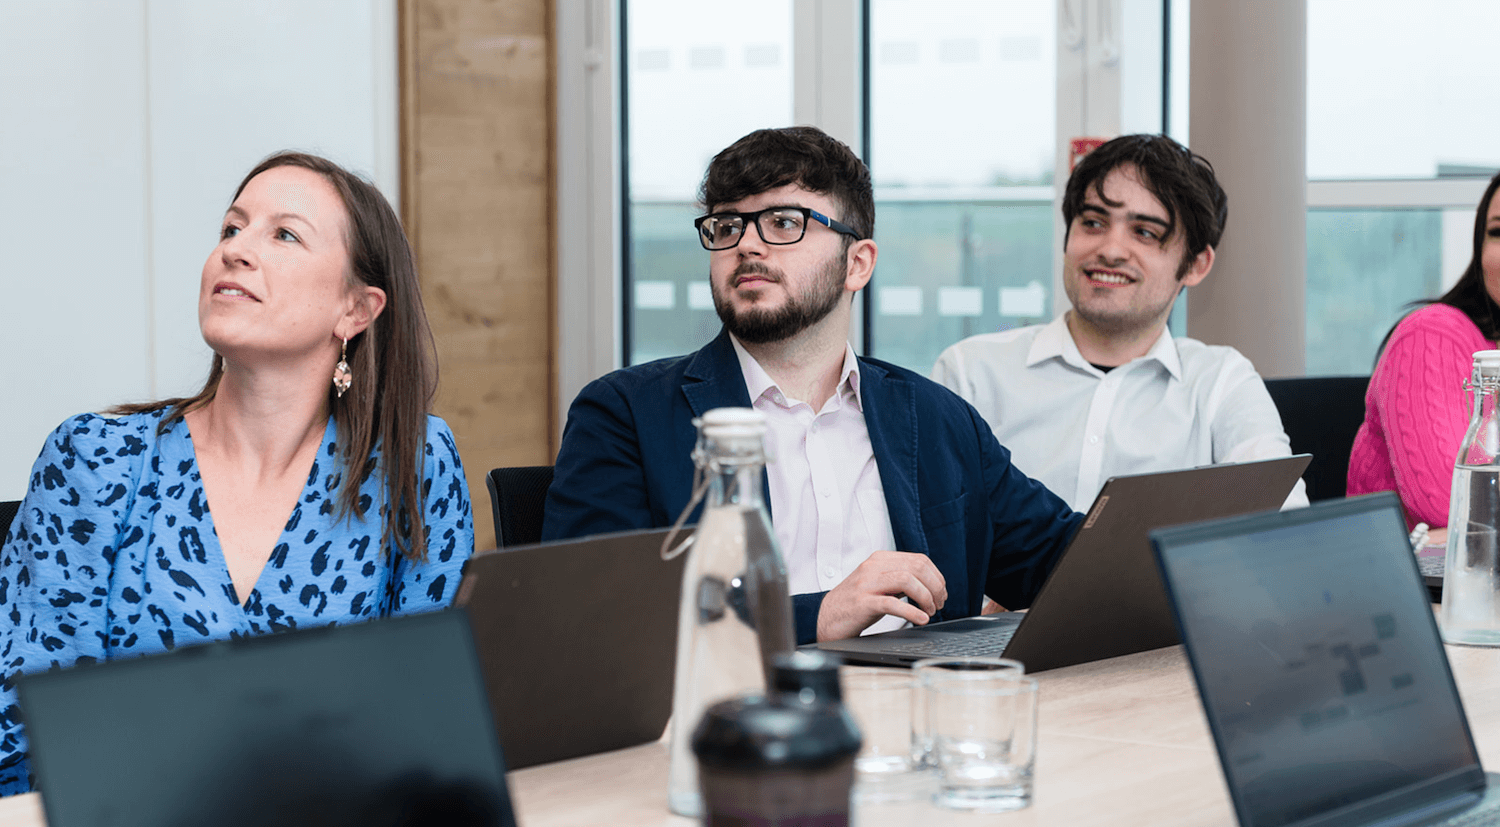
(800, 312)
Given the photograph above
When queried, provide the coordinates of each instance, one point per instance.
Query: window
(698, 77)
(959, 106)
(963, 113)
(1398, 154)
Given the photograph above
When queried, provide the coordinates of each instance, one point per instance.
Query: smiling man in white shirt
(1105, 389)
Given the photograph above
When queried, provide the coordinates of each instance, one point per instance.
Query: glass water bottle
(736, 614)
(1471, 578)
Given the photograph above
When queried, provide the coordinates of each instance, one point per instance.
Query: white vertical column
(1139, 32)
(1072, 122)
(828, 92)
(828, 68)
(1248, 116)
(1109, 67)
(588, 196)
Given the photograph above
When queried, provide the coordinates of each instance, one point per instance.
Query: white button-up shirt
(827, 504)
(1072, 426)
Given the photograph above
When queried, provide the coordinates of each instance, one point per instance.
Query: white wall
(124, 128)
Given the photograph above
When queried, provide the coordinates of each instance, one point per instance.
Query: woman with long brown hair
(1416, 410)
(304, 485)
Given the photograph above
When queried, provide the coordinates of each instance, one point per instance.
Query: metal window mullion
(830, 90)
(1430, 193)
(828, 68)
(589, 238)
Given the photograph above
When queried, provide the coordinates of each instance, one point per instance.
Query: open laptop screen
(377, 723)
(1319, 664)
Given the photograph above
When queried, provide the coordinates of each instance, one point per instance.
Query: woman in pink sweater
(1417, 410)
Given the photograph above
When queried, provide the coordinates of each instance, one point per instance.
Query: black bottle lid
(802, 726)
(801, 673)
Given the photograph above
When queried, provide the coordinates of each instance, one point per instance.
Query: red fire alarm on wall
(1079, 147)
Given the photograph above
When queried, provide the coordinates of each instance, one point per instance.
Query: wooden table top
(1121, 742)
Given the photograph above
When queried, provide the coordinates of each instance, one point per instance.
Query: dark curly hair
(803, 155)
(1182, 180)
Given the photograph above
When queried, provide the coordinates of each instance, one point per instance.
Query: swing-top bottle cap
(729, 423)
(1483, 358)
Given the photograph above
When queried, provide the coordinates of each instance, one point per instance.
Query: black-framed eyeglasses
(776, 225)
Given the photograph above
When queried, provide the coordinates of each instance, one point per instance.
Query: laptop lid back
(578, 640)
(1319, 666)
(1104, 598)
(348, 725)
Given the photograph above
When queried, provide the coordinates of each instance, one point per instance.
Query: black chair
(8, 510)
(517, 496)
(1321, 415)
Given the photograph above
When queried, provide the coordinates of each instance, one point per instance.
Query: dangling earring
(342, 378)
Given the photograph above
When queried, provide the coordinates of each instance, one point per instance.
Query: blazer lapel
(890, 406)
(713, 379)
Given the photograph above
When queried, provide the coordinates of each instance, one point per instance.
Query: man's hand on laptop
(874, 590)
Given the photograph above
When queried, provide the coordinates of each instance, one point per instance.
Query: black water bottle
(780, 760)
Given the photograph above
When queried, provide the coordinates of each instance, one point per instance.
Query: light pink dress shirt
(827, 504)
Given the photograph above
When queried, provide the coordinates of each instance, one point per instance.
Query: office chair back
(1321, 415)
(8, 509)
(518, 495)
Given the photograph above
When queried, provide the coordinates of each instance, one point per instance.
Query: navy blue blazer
(950, 488)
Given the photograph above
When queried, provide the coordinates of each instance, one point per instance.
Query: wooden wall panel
(477, 199)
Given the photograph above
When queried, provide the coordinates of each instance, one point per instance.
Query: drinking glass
(932, 668)
(881, 702)
(983, 723)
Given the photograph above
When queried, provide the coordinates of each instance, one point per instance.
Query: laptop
(1321, 671)
(578, 640)
(366, 724)
(1103, 598)
(1432, 561)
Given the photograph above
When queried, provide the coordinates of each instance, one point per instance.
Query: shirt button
(828, 571)
(825, 493)
(1094, 440)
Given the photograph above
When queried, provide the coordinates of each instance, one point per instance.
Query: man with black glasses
(1105, 390)
(884, 485)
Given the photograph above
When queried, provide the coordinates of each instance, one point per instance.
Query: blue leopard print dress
(113, 554)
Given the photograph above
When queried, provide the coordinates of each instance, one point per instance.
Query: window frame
(830, 90)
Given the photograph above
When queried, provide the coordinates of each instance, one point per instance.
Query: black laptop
(1321, 671)
(1103, 598)
(578, 640)
(379, 723)
(1432, 561)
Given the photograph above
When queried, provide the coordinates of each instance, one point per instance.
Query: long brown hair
(393, 364)
(1469, 293)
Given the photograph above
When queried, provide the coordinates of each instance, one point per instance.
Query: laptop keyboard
(1430, 565)
(973, 643)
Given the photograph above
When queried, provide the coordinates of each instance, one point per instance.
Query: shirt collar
(1055, 342)
(1165, 352)
(760, 384)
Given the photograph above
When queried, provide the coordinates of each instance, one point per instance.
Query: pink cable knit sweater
(1416, 412)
